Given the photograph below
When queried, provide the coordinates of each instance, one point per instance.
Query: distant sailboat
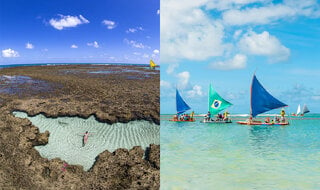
(181, 107)
(152, 64)
(216, 104)
(305, 110)
(261, 101)
(298, 110)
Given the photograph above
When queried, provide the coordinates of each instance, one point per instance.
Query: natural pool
(66, 134)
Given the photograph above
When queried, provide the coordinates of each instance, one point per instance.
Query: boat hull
(176, 120)
(218, 122)
(260, 123)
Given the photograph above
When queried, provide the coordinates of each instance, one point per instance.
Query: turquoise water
(233, 156)
(66, 134)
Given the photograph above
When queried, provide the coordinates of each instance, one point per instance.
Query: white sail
(298, 110)
(305, 109)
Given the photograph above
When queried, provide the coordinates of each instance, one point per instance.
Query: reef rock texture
(112, 93)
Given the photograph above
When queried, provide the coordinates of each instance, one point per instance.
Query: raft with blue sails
(262, 101)
(182, 107)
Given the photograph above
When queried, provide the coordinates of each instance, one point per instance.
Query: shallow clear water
(66, 134)
(232, 156)
(17, 84)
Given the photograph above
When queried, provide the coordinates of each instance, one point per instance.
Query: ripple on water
(66, 134)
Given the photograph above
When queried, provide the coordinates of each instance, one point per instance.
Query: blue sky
(101, 31)
(225, 42)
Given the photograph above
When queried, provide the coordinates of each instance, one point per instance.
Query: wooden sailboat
(262, 101)
(216, 104)
(152, 64)
(182, 107)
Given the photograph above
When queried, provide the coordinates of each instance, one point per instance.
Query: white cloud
(264, 44)
(261, 15)
(188, 32)
(183, 79)
(236, 34)
(195, 92)
(165, 84)
(29, 46)
(156, 51)
(239, 61)
(229, 4)
(109, 23)
(271, 12)
(74, 46)
(133, 30)
(135, 44)
(67, 21)
(9, 53)
(172, 67)
(158, 11)
(93, 44)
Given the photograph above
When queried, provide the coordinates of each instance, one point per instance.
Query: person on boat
(283, 113)
(249, 120)
(272, 122)
(226, 116)
(207, 117)
(175, 118)
(267, 120)
(192, 114)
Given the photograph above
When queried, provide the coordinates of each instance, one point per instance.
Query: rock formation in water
(75, 92)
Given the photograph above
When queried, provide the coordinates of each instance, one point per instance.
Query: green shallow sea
(66, 134)
(232, 156)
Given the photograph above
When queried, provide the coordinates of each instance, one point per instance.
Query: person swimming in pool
(85, 138)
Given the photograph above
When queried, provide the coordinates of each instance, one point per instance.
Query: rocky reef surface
(113, 93)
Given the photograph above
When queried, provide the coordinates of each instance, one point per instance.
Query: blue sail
(261, 100)
(182, 106)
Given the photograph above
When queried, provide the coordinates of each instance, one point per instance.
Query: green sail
(216, 102)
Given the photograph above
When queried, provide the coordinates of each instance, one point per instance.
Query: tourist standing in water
(85, 138)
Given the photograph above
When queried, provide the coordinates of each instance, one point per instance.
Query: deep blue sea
(232, 156)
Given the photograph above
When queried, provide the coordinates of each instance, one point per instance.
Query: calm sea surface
(232, 156)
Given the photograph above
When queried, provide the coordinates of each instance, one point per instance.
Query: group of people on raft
(183, 117)
(219, 117)
(267, 120)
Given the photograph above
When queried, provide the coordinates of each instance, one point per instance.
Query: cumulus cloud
(29, 46)
(74, 46)
(195, 92)
(264, 44)
(188, 32)
(158, 11)
(93, 44)
(231, 4)
(183, 79)
(109, 23)
(156, 51)
(239, 61)
(67, 21)
(135, 44)
(9, 53)
(133, 30)
(272, 12)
